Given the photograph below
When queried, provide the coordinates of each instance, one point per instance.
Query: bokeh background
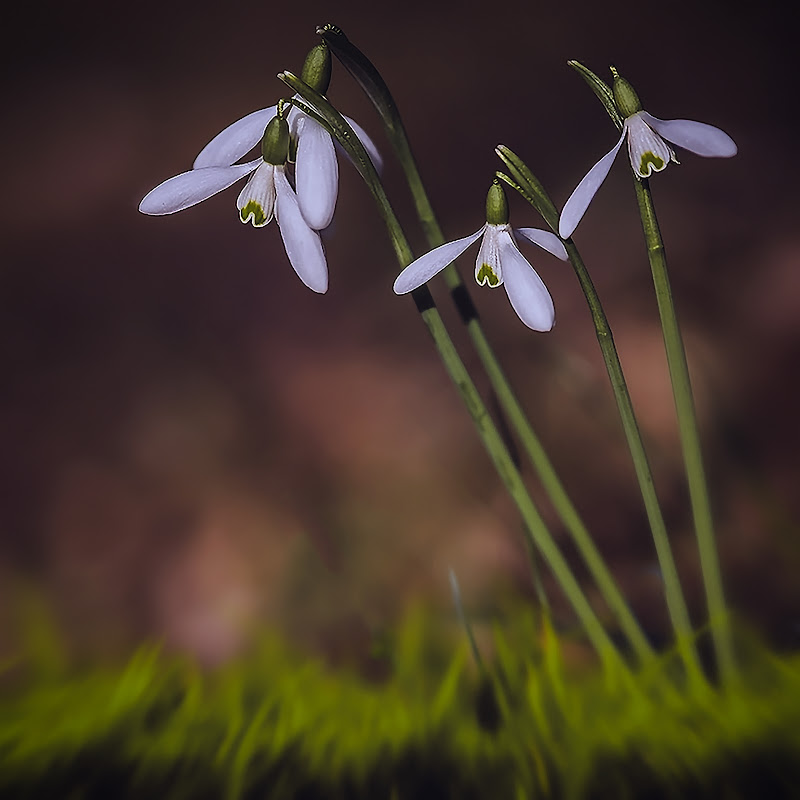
(193, 446)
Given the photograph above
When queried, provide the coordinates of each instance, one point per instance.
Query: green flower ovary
(625, 96)
(253, 211)
(275, 142)
(317, 68)
(487, 275)
(496, 205)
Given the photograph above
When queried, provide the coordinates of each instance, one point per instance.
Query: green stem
(378, 92)
(535, 528)
(561, 501)
(529, 187)
(674, 595)
(690, 439)
(530, 441)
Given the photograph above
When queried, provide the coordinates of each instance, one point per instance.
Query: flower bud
(317, 68)
(625, 96)
(496, 205)
(275, 142)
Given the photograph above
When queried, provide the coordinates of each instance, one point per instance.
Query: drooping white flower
(266, 194)
(316, 172)
(316, 167)
(647, 149)
(499, 263)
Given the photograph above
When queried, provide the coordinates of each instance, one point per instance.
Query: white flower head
(499, 263)
(648, 150)
(266, 193)
(316, 167)
(314, 154)
(300, 211)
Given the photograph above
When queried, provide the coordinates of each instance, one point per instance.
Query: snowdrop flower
(647, 148)
(316, 167)
(499, 262)
(267, 192)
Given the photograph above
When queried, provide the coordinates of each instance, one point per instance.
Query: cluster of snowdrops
(296, 176)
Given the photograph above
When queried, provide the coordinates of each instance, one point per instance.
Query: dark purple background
(191, 442)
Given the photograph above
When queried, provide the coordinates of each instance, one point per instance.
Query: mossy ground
(280, 725)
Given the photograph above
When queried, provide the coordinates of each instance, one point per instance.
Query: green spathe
(601, 89)
(275, 144)
(496, 205)
(625, 96)
(525, 182)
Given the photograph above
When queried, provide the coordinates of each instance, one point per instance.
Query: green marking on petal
(650, 159)
(487, 275)
(253, 211)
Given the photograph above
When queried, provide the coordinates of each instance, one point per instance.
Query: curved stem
(519, 421)
(508, 400)
(561, 501)
(377, 91)
(535, 527)
(674, 595)
(690, 439)
(534, 193)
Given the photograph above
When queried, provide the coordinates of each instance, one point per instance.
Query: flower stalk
(378, 92)
(676, 605)
(647, 138)
(535, 528)
(371, 81)
(689, 435)
(679, 616)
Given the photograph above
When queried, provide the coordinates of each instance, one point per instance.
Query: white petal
(236, 140)
(488, 269)
(425, 267)
(546, 240)
(316, 173)
(579, 200)
(303, 245)
(257, 200)
(648, 152)
(193, 187)
(526, 291)
(705, 140)
(293, 117)
(369, 145)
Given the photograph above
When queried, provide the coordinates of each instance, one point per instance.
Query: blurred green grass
(278, 723)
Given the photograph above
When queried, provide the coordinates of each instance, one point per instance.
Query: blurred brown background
(192, 444)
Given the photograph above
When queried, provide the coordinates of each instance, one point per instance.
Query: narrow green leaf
(601, 89)
(445, 700)
(534, 191)
(335, 122)
(365, 74)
